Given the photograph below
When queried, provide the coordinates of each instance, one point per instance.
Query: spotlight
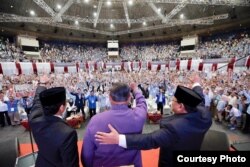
(32, 13)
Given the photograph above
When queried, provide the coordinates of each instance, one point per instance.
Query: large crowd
(9, 51)
(226, 95)
(225, 46)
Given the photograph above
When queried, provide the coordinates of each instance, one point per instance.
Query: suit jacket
(177, 132)
(125, 120)
(79, 101)
(56, 141)
(158, 98)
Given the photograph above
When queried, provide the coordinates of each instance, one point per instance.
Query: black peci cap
(187, 96)
(53, 96)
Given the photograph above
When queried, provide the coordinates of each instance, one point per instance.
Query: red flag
(149, 65)
(95, 66)
(52, 68)
(66, 69)
(248, 62)
(34, 68)
(122, 66)
(214, 66)
(231, 64)
(167, 65)
(19, 70)
(200, 68)
(1, 70)
(77, 67)
(158, 67)
(178, 64)
(189, 64)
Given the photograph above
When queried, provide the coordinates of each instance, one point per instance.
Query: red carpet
(149, 157)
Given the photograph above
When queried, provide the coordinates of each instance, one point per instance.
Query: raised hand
(44, 79)
(108, 138)
(133, 86)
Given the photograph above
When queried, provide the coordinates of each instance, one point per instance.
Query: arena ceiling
(123, 20)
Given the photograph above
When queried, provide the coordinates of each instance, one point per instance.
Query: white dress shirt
(3, 106)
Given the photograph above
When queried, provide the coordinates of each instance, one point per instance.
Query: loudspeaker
(10, 150)
(215, 141)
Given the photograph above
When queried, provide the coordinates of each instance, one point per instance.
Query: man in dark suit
(160, 100)
(57, 142)
(184, 130)
(79, 101)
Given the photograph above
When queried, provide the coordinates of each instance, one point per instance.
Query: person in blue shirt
(13, 110)
(26, 101)
(160, 100)
(92, 99)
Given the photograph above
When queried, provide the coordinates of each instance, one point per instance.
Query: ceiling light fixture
(111, 25)
(130, 2)
(95, 6)
(109, 3)
(32, 13)
(58, 6)
(76, 22)
(144, 23)
(86, 1)
(95, 14)
(182, 16)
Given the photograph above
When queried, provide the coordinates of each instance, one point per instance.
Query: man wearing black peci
(57, 142)
(182, 131)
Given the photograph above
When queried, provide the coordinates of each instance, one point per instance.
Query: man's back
(125, 120)
(188, 132)
(57, 142)
(54, 138)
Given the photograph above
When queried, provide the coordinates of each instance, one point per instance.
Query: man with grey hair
(124, 119)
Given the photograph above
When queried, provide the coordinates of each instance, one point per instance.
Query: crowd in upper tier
(223, 46)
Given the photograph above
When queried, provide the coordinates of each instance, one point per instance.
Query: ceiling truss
(56, 19)
(193, 2)
(176, 10)
(63, 10)
(126, 13)
(48, 21)
(45, 7)
(98, 13)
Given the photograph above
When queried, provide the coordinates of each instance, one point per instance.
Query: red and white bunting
(17, 68)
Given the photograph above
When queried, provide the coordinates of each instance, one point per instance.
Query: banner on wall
(27, 68)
